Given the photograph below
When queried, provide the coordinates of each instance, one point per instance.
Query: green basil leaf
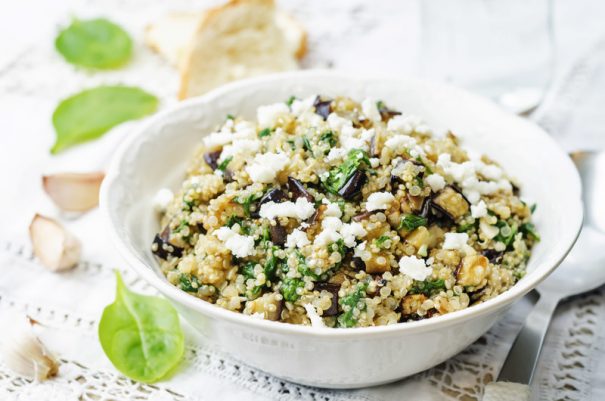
(96, 43)
(141, 335)
(91, 113)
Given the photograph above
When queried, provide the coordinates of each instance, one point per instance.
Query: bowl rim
(216, 312)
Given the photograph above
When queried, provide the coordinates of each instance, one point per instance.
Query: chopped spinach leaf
(224, 163)
(411, 222)
(428, 287)
(307, 145)
(530, 231)
(290, 100)
(289, 288)
(230, 117)
(328, 137)
(338, 176)
(247, 201)
(264, 132)
(352, 301)
(380, 241)
(188, 283)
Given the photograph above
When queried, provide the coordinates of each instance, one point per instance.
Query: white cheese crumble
(479, 210)
(370, 110)
(302, 209)
(297, 239)
(337, 123)
(465, 174)
(458, 241)
(350, 232)
(414, 268)
(332, 209)
(407, 125)
(239, 245)
(265, 167)
(302, 106)
(336, 154)
(436, 182)
(374, 162)
(379, 201)
(240, 146)
(267, 116)
(162, 199)
(488, 230)
(402, 143)
(316, 320)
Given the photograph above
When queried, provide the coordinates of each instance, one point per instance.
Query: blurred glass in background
(502, 49)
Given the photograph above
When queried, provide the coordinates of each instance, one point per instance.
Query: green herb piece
(289, 287)
(264, 132)
(91, 113)
(223, 165)
(509, 232)
(411, 222)
(188, 205)
(141, 335)
(338, 177)
(290, 100)
(272, 264)
(292, 144)
(96, 43)
(428, 287)
(533, 207)
(188, 283)
(247, 270)
(303, 268)
(233, 220)
(465, 227)
(328, 137)
(380, 105)
(247, 201)
(530, 231)
(352, 302)
(380, 241)
(182, 224)
(307, 145)
(230, 117)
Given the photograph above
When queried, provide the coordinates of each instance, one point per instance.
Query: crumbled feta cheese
(336, 154)
(350, 232)
(374, 162)
(407, 125)
(240, 146)
(379, 201)
(479, 210)
(403, 143)
(301, 106)
(162, 199)
(436, 182)
(455, 241)
(349, 143)
(332, 209)
(302, 209)
(265, 167)
(330, 231)
(414, 268)
(297, 239)
(267, 116)
(360, 249)
(369, 109)
(337, 123)
(239, 245)
(316, 320)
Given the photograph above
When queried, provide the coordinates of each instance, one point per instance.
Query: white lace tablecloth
(33, 78)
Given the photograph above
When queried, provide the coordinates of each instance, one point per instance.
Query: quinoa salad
(334, 213)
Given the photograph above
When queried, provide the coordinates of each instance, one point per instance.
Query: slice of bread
(240, 39)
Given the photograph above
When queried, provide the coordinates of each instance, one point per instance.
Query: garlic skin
(53, 245)
(24, 353)
(74, 192)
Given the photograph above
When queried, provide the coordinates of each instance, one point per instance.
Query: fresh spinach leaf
(264, 132)
(290, 100)
(307, 145)
(247, 201)
(91, 113)
(141, 335)
(427, 287)
(338, 176)
(96, 43)
(380, 241)
(289, 288)
(352, 301)
(224, 163)
(328, 137)
(411, 222)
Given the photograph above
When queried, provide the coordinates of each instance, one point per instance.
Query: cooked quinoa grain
(329, 212)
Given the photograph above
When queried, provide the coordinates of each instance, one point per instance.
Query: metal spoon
(583, 270)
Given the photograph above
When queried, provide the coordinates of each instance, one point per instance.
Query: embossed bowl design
(155, 154)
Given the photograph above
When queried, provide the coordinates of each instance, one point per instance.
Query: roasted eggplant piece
(352, 187)
(278, 234)
(211, 158)
(298, 190)
(451, 203)
(162, 248)
(364, 215)
(333, 290)
(322, 107)
(385, 113)
(493, 256)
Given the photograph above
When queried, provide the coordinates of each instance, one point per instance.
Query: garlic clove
(24, 353)
(53, 245)
(73, 192)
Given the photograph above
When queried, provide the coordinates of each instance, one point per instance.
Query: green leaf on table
(91, 113)
(96, 43)
(141, 335)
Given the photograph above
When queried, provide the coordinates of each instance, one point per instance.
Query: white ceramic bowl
(155, 156)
